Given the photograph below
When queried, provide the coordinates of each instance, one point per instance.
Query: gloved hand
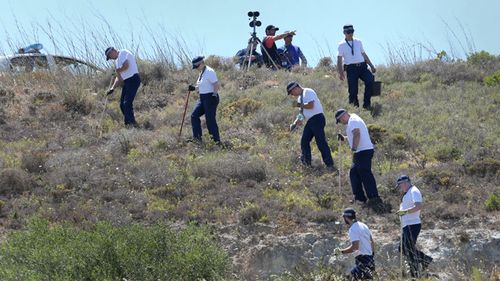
(337, 252)
(340, 137)
(191, 88)
(110, 91)
(402, 212)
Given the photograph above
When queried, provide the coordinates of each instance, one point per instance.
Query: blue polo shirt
(290, 55)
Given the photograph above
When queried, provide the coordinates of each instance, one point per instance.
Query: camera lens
(256, 14)
(258, 23)
(250, 14)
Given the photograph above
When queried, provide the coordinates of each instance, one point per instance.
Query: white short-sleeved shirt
(412, 196)
(206, 81)
(355, 122)
(126, 55)
(360, 232)
(345, 51)
(310, 95)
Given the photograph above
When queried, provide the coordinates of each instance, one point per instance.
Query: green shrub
(483, 60)
(133, 252)
(484, 167)
(446, 153)
(493, 202)
(493, 79)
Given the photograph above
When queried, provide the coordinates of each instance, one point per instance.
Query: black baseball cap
(349, 212)
(269, 27)
(339, 114)
(290, 86)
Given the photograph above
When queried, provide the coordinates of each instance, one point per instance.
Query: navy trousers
(129, 90)
(315, 127)
(355, 72)
(414, 256)
(361, 176)
(365, 266)
(207, 105)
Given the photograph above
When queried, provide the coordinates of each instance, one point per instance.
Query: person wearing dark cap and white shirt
(291, 55)
(409, 212)
(208, 87)
(269, 49)
(362, 246)
(128, 72)
(353, 59)
(310, 108)
(360, 173)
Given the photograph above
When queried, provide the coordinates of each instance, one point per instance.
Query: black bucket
(377, 88)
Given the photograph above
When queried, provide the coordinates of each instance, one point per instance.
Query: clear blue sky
(221, 26)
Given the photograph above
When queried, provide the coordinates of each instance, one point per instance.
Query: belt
(356, 64)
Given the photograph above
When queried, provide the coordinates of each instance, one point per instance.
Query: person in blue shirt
(291, 55)
(255, 58)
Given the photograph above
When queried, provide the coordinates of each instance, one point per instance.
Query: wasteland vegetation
(83, 198)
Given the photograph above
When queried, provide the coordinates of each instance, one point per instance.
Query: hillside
(66, 157)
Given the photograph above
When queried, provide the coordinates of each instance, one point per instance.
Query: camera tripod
(254, 23)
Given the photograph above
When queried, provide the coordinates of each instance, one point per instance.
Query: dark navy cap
(196, 61)
(107, 52)
(348, 27)
(339, 114)
(349, 212)
(290, 86)
(269, 27)
(401, 179)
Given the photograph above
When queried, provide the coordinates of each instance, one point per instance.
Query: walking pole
(401, 251)
(340, 167)
(108, 92)
(185, 108)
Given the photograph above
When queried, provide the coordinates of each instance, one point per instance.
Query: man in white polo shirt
(361, 175)
(409, 212)
(310, 108)
(352, 59)
(208, 87)
(362, 246)
(128, 72)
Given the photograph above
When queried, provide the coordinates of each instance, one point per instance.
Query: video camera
(253, 16)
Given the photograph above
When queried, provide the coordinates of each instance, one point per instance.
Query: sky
(391, 30)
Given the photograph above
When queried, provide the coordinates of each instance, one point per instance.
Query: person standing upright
(291, 54)
(208, 87)
(409, 212)
(354, 61)
(310, 109)
(362, 246)
(269, 49)
(360, 173)
(128, 72)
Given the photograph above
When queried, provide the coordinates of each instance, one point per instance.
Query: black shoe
(426, 262)
(367, 107)
(359, 202)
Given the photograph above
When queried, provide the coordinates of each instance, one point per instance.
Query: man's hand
(110, 91)
(341, 76)
(191, 88)
(341, 137)
(300, 117)
(295, 104)
(337, 252)
(402, 212)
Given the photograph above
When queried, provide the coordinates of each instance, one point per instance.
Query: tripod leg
(271, 59)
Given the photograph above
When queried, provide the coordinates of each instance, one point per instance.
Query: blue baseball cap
(290, 86)
(197, 61)
(107, 52)
(349, 212)
(401, 179)
(339, 114)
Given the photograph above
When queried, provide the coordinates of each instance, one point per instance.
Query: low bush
(14, 181)
(493, 79)
(134, 252)
(493, 202)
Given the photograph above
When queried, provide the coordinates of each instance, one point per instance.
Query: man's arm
(124, 67)
(302, 58)
(356, 136)
(216, 87)
(352, 248)
(281, 36)
(340, 67)
(367, 60)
